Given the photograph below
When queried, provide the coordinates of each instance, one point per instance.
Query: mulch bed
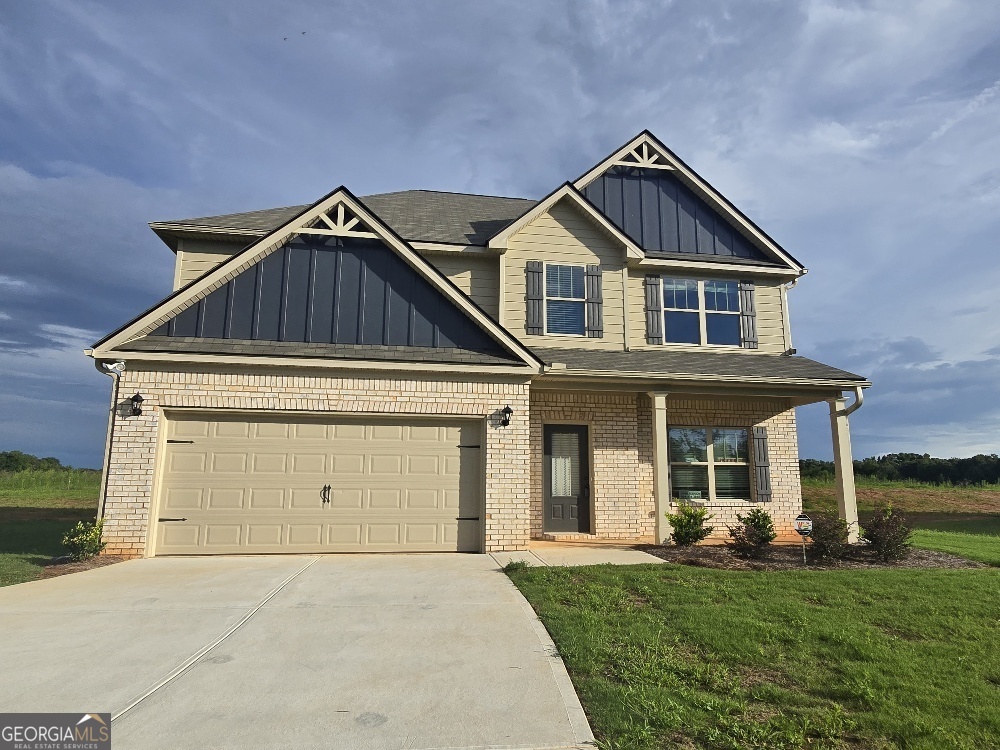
(54, 568)
(789, 557)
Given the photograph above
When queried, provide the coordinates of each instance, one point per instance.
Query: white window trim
(702, 311)
(546, 298)
(711, 463)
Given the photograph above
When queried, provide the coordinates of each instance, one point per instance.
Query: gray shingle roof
(192, 345)
(415, 215)
(749, 366)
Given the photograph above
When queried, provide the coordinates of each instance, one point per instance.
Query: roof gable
(569, 193)
(334, 274)
(643, 167)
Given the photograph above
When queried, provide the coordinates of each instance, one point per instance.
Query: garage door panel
(383, 533)
(385, 498)
(231, 429)
(254, 485)
(229, 463)
(264, 534)
(183, 498)
(225, 499)
(266, 499)
(269, 463)
(270, 430)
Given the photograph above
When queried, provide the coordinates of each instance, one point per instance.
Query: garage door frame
(167, 413)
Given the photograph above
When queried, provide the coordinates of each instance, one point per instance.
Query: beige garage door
(261, 485)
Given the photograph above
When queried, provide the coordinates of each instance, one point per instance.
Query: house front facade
(423, 371)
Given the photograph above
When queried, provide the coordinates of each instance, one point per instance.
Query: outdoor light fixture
(505, 416)
(137, 405)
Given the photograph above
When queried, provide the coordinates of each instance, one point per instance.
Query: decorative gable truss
(664, 206)
(333, 275)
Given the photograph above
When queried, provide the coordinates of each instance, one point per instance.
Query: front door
(567, 479)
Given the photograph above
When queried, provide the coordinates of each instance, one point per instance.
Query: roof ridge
(450, 192)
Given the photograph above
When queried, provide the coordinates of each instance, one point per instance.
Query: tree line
(16, 461)
(915, 467)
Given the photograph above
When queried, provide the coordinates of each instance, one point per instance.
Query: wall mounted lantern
(505, 414)
(137, 405)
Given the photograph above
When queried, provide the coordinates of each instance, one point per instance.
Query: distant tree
(18, 461)
(916, 467)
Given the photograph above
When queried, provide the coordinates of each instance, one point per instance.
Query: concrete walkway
(569, 554)
(340, 651)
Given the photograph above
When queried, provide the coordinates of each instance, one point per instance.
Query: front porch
(611, 450)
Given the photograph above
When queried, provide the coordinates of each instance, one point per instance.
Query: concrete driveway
(345, 651)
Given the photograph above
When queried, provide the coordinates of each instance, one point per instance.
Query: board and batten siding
(564, 235)
(195, 258)
(477, 275)
(768, 301)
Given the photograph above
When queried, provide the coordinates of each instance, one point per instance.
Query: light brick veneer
(782, 445)
(621, 437)
(622, 472)
(133, 450)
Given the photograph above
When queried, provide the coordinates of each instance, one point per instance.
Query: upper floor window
(565, 300)
(701, 312)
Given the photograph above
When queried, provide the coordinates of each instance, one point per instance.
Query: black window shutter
(761, 465)
(533, 274)
(654, 310)
(595, 303)
(748, 315)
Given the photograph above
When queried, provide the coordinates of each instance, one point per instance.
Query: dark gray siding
(350, 291)
(662, 215)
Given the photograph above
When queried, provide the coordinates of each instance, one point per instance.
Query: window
(565, 300)
(701, 312)
(709, 463)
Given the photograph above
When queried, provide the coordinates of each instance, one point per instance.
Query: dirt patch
(910, 499)
(60, 569)
(789, 557)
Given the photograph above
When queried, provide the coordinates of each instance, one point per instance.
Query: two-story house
(424, 371)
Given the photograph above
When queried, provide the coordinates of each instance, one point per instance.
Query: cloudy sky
(863, 136)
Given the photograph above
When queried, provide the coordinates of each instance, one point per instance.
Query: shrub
(753, 535)
(515, 566)
(829, 536)
(84, 540)
(888, 533)
(688, 525)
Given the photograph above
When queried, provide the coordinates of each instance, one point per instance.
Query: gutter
(113, 370)
(560, 370)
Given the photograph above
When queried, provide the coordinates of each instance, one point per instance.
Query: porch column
(843, 463)
(661, 467)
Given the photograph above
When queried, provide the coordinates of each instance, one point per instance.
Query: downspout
(859, 399)
(113, 370)
(785, 317)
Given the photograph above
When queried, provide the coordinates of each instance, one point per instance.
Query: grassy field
(973, 510)
(36, 509)
(671, 656)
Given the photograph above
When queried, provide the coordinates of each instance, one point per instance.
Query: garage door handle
(325, 494)
(173, 519)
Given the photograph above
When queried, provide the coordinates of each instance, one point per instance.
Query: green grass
(670, 656)
(984, 549)
(36, 509)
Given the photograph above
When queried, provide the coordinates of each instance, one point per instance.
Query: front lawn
(670, 656)
(984, 549)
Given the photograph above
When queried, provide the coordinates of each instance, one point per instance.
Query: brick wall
(620, 426)
(133, 450)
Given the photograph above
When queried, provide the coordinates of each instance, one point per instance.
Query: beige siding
(565, 235)
(197, 257)
(770, 320)
(475, 274)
